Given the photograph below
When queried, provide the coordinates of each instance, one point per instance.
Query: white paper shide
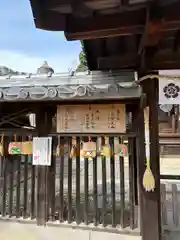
(42, 150)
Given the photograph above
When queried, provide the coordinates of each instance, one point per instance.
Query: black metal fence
(101, 191)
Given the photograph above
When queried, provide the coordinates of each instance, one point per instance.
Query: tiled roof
(66, 86)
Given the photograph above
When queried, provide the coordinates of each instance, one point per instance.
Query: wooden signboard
(97, 118)
(27, 148)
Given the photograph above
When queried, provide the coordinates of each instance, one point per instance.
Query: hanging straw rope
(148, 178)
(159, 76)
(2, 145)
(58, 148)
(73, 149)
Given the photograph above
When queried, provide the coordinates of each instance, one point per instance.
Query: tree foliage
(82, 60)
(8, 71)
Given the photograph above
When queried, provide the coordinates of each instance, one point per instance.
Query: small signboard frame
(91, 118)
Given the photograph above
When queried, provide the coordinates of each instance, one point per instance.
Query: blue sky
(25, 48)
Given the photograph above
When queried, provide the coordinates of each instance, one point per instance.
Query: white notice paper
(42, 150)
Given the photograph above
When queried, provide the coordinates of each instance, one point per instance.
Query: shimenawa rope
(148, 178)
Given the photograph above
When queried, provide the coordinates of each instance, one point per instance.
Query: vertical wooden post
(150, 201)
(138, 126)
(177, 118)
(1, 157)
(134, 110)
(43, 126)
(173, 123)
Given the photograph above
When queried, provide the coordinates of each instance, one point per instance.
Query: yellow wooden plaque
(88, 150)
(96, 118)
(106, 151)
(27, 148)
(121, 150)
(15, 148)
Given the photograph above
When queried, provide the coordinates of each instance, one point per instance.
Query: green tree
(8, 71)
(82, 61)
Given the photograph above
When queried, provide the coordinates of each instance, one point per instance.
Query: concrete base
(19, 231)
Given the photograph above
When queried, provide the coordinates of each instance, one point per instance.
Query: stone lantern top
(45, 69)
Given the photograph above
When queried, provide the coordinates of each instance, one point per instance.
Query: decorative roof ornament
(45, 69)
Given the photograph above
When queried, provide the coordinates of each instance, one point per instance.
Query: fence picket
(103, 194)
(163, 204)
(175, 205)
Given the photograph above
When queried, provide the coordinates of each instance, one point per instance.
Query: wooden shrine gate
(140, 35)
(77, 190)
(80, 191)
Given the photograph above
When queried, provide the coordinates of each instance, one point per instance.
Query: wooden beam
(47, 20)
(124, 2)
(80, 9)
(165, 66)
(176, 44)
(147, 58)
(37, 12)
(118, 25)
(51, 4)
(99, 26)
(158, 61)
(116, 62)
(125, 23)
(167, 56)
(50, 21)
(104, 26)
(152, 31)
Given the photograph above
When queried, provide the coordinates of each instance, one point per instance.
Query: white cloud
(24, 63)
